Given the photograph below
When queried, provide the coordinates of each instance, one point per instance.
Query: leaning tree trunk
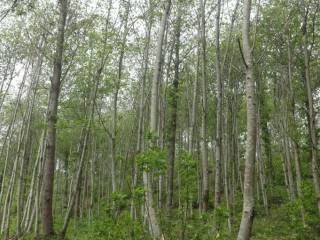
(9, 82)
(248, 195)
(10, 132)
(48, 176)
(27, 146)
(22, 139)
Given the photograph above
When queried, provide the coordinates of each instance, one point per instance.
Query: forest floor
(281, 224)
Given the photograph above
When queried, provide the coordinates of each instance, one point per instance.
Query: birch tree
(248, 195)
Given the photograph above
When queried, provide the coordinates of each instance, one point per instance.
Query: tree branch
(242, 56)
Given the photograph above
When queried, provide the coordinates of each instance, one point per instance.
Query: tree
(204, 108)
(173, 102)
(248, 196)
(219, 147)
(49, 164)
(154, 227)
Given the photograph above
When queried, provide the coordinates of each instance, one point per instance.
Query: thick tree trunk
(49, 165)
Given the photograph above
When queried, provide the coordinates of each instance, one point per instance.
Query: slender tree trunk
(288, 163)
(204, 133)
(30, 208)
(260, 165)
(154, 227)
(173, 100)
(39, 185)
(227, 142)
(194, 105)
(219, 140)
(11, 75)
(140, 132)
(117, 84)
(248, 196)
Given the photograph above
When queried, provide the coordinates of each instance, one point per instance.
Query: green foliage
(221, 213)
(284, 223)
(25, 7)
(151, 136)
(195, 227)
(123, 228)
(138, 193)
(154, 159)
(107, 227)
(187, 168)
(120, 199)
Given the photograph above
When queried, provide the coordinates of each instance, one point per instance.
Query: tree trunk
(219, 141)
(48, 176)
(11, 76)
(173, 101)
(140, 131)
(204, 133)
(154, 227)
(194, 105)
(261, 165)
(248, 196)
(116, 89)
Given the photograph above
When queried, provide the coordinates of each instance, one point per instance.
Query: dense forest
(160, 119)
